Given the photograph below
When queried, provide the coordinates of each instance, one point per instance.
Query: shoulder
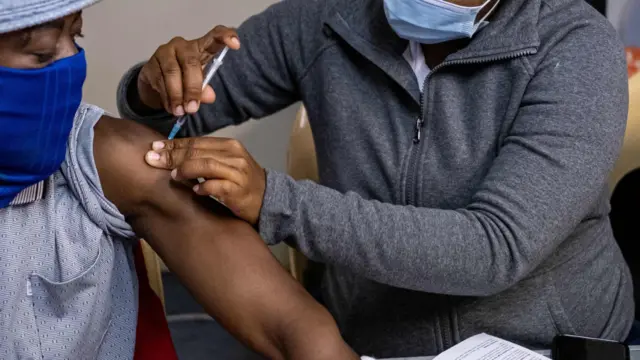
(575, 27)
(87, 116)
(78, 167)
(308, 12)
(580, 68)
(581, 56)
(105, 159)
(295, 27)
(135, 188)
(79, 158)
(119, 149)
(82, 177)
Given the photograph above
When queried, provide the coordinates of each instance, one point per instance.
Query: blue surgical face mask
(37, 108)
(433, 21)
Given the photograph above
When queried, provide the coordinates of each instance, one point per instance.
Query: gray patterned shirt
(68, 288)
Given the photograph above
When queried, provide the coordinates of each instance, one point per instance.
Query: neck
(436, 53)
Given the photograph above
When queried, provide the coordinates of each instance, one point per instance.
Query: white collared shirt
(415, 57)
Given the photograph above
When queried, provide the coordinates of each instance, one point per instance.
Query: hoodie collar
(512, 27)
(363, 25)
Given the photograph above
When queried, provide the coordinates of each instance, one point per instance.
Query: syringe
(213, 68)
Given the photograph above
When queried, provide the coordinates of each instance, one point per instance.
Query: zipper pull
(418, 135)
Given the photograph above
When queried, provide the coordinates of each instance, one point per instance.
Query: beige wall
(615, 9)
(120, 33)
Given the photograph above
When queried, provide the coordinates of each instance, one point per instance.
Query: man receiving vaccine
(463, 149)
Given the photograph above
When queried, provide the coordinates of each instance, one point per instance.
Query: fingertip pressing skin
(115, 143)
(151, 157)
(157, 145)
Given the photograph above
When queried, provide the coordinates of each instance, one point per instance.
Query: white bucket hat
(21, 14)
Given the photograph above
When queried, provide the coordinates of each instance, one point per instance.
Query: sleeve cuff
(83, 180)
(276, 213)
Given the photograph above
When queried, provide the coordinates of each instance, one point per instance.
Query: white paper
(487, 347)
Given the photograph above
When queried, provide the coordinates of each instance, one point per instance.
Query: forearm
(233, 274)
(430, 250)
(229, 270)
(479, 250)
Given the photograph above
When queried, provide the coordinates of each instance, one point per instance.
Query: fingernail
(179, 111)
(153, 156)
(174, 174)
(196, 188)
(192, 106)
(235, 42)
(157, 145)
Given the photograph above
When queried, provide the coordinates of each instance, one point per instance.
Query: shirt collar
(31, 194)
(514, 26)
(414, 53)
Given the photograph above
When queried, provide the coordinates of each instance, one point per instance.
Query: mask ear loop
(488, 12)
(445, 4)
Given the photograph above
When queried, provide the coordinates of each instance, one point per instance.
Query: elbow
(507, 256)
(514, 248)
(504, 273)
(495, 282)
(495, 289)
(506, 268)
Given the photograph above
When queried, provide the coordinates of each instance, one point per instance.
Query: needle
(214, 66)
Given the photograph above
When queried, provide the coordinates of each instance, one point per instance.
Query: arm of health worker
(220, 259)
(256, 79)
(557, 154)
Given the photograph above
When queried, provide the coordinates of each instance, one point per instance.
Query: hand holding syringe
(213, 68)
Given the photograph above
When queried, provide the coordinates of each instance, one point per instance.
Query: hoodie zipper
(447, 332)
(412, 169)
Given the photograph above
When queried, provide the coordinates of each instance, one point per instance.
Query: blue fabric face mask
(433, 21)
(37, 108)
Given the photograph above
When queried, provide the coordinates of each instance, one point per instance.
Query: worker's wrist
(135, 101)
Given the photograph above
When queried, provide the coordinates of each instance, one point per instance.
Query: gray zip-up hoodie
(479, 205)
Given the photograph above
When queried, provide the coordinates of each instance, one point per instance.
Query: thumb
(215, 40)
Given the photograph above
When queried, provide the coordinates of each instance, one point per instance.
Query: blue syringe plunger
(174, 131)
(176, 127)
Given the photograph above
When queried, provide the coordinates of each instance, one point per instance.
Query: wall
(120, 33)
(614, 10)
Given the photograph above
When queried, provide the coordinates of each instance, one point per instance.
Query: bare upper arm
(220, 259)
(119, 147)
(132, 185)
(195, 242)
